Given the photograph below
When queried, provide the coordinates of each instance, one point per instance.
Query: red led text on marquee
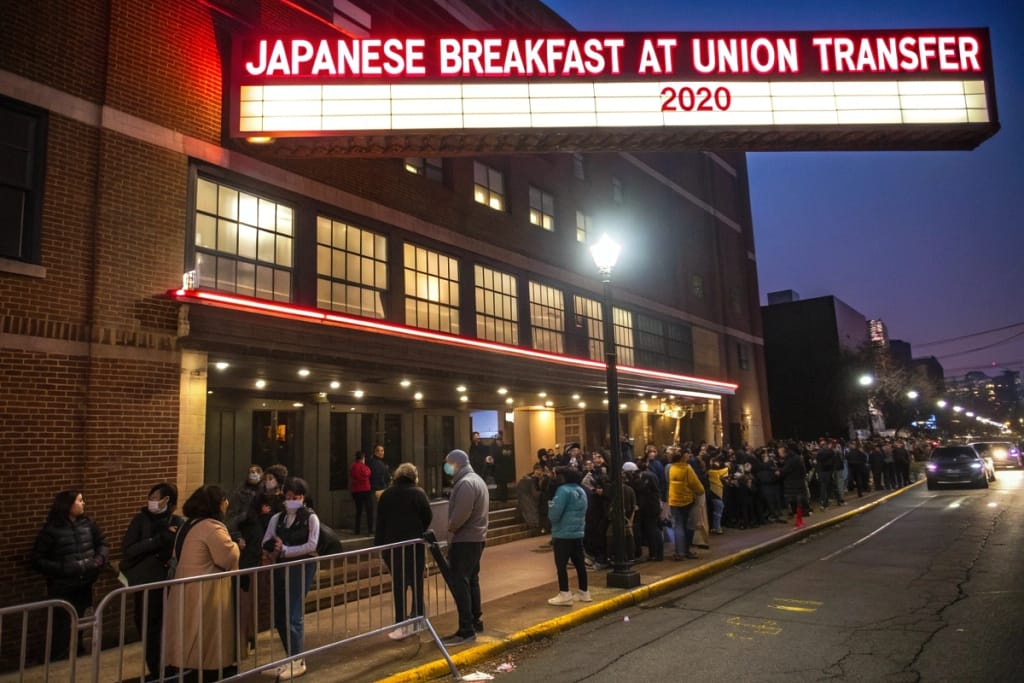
(820, 54)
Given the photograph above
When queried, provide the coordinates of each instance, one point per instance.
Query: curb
(474, 655)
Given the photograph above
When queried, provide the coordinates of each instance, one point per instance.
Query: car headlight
(931, 467)
(976, 465)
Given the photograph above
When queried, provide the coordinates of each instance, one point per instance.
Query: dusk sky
(931, 242)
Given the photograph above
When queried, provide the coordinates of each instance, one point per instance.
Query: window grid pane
(431, 290)
(582, 226)
(623, 321)
(542, 209)
(243, 242)
(351, 268)
(497, 316)
(488, 186)
(547, 318)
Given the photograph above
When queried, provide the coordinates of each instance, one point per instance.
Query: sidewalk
(516, 579)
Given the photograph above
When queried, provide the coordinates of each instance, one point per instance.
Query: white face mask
(254, 477)
(292, 506)
(155, 507)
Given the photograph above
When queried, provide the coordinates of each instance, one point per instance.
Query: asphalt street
(926, 587)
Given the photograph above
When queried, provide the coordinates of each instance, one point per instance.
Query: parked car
(957, 465)
(1001, 453)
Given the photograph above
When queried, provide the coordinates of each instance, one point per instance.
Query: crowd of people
(681, 495)
(673, 497)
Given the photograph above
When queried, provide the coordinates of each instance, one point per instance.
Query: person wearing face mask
(291, 535)
(274, 478)
(145, 550)
(69, 551)
(468, 505)
(241, 499)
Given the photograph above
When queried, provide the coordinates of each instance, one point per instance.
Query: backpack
(329, 543)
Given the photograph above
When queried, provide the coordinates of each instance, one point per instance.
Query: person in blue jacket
(568, 512)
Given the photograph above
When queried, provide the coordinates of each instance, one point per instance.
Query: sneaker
(478, 626)
(459, 639)
(717, 532)
(288, 671)
(401, 633)
(583, 596)
(692, 556)
(564, 598)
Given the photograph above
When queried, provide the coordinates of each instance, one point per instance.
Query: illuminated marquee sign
(889, 82)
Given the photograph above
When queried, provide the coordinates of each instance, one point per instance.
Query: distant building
(805, 343)
(879, 333)
(785, 296)
(928, 369)
(900, 352)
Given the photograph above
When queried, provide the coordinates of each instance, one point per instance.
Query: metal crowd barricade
(19, 617)
(350, 598)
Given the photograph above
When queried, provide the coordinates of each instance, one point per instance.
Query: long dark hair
(60, 511)
(205, 502)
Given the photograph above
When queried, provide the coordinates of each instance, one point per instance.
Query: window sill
(21, 268)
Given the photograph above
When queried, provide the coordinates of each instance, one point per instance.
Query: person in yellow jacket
(715, 474)
(683, 489)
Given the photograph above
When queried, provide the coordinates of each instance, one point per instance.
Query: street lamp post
(866, 381)
(622, 575)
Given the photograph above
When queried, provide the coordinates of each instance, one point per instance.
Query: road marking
(876, 531)
(766, 627)
(793, 605)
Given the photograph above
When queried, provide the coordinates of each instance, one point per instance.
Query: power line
(968, 336)
(982, 348)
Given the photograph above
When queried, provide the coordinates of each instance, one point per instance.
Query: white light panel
(320, 109)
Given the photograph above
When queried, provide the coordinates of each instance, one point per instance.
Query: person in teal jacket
(568, 512)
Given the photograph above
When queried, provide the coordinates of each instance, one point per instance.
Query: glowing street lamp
(941, 403)
(866, 380)
(606, 255)
(912, 394)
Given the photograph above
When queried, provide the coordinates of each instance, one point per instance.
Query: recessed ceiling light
(549, 403)
(509, 400)
(405, 383)
(418, 396)
(502, 390)
(335, 384)
(463, 398)
(622, 406)
(605, 401)
(303, 372)
(358, 393)
(461, 388)
(582, 404)
(297, 404)
(543, 394)
(260, 383)
(209, 392)
(575, 397)
(222, 365)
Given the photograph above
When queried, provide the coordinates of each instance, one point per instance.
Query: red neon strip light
(291, 311)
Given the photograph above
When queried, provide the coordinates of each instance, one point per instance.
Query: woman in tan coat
(200, 624)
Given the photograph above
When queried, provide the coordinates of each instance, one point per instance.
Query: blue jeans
(683, 535)
(291, 584)
(717, 508)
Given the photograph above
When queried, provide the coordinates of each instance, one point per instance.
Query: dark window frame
(30, 230)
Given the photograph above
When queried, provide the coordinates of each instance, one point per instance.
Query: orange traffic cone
(799, 517)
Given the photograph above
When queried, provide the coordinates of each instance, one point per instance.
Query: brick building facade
(115, 119)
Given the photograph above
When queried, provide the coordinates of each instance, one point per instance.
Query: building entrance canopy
(885, 89)
(369, 359)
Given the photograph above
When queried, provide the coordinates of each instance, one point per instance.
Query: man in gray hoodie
(468, 505)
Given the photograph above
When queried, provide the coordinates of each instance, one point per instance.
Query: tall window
(22, 154)
(697, 286)
(542, 208)
(431, 290)
(352, 268)
(743, 355)
(243, 242)
(497, 306)
(663, 345)
(616, 190)
(488, 186)
(590, 311)
(582, 226)
(547, 318)
(430, 168)
(579, 168)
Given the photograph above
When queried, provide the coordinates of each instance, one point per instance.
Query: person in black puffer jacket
(69, 551)
(145, 550)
